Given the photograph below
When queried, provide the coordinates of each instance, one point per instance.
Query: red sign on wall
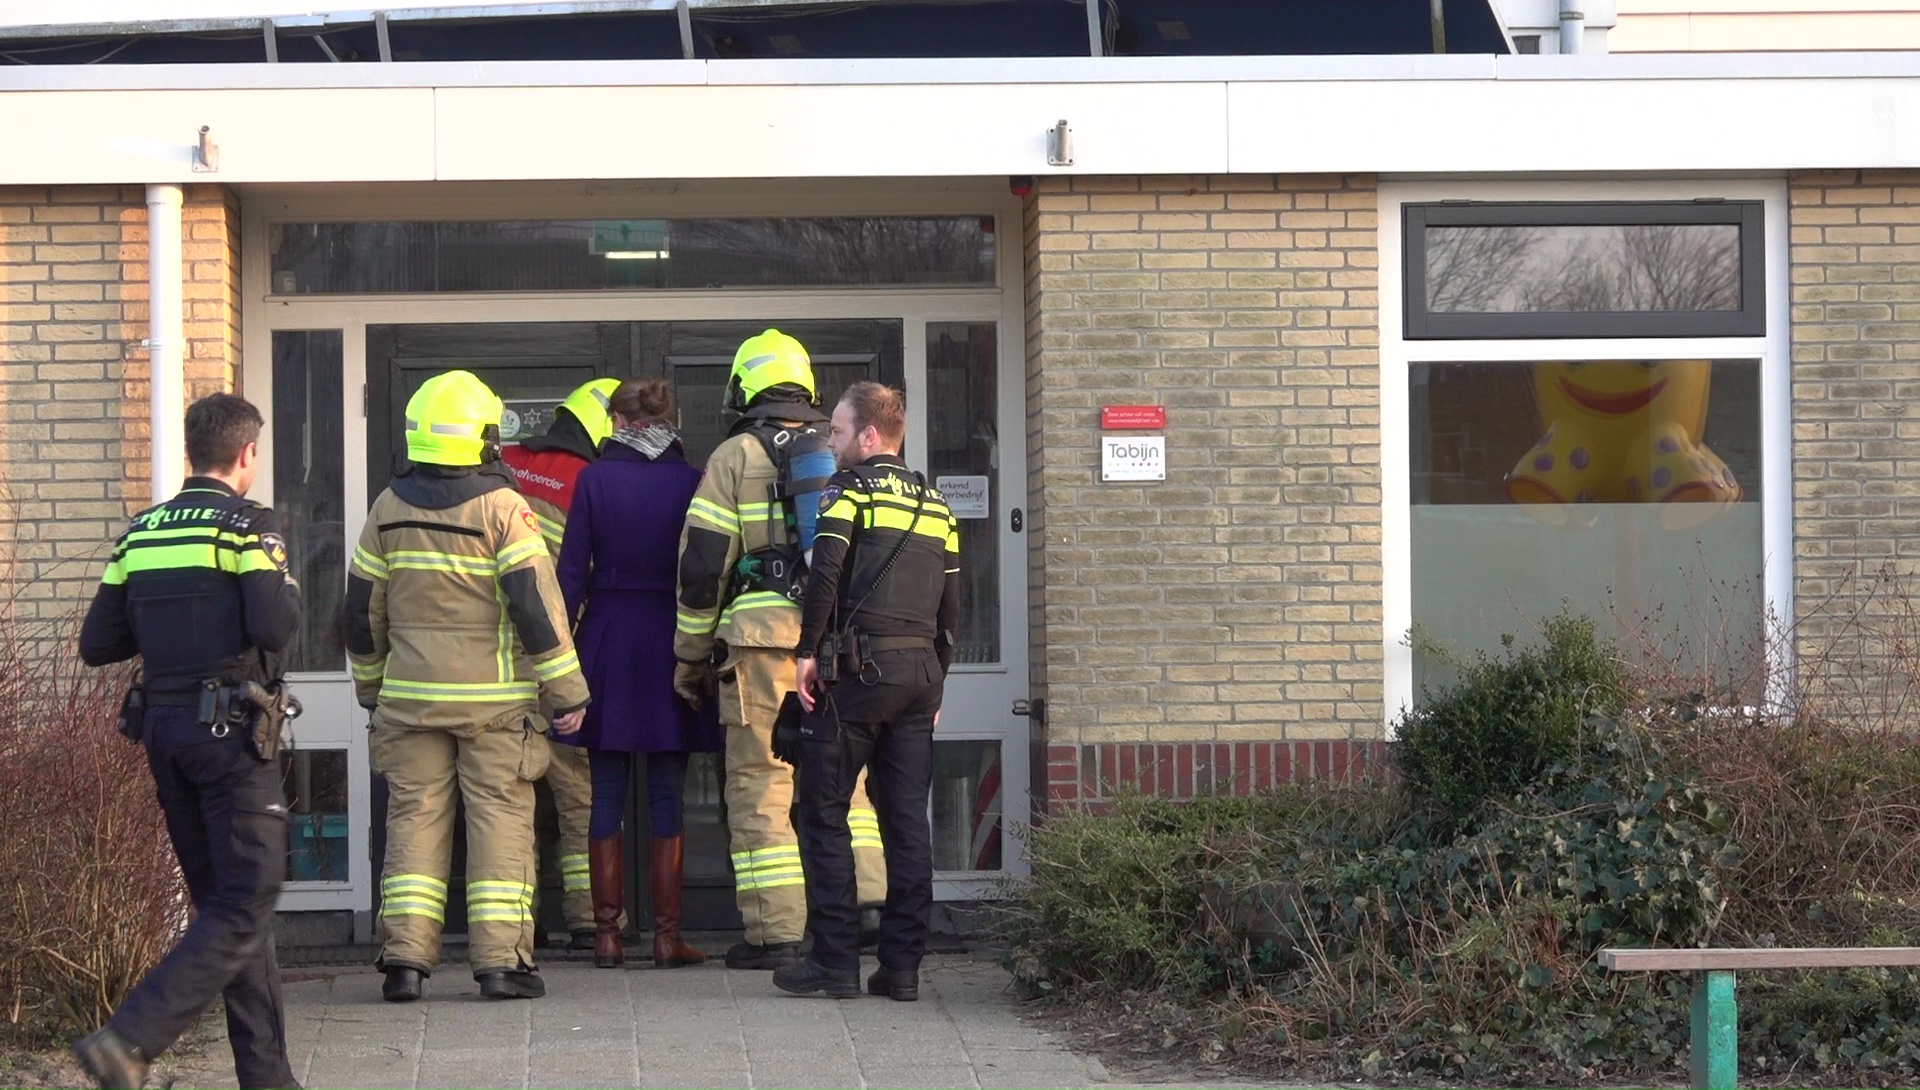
(1128, 417)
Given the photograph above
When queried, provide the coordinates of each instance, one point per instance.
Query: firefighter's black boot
(403, 984)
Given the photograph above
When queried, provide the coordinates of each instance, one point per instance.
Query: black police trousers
(227, 817)
(886, 728)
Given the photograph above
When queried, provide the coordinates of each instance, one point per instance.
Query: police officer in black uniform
(199, 587)
(882, 601)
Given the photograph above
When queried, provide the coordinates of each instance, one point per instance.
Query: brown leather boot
(606, 872)
(669, 950)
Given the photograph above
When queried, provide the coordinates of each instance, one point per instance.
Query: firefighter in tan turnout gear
(456, 631)
(741, 580)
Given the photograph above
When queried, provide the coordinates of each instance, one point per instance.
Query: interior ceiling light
(785, 44)
(637, 255)
(1173, 30)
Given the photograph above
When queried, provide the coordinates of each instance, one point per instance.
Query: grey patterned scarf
(652, 440)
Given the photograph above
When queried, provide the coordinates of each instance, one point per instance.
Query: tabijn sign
(1133, 458)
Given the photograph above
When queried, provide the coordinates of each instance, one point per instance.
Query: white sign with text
(1133, 458)
(966, 496)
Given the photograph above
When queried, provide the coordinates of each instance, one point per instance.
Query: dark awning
(661, 29)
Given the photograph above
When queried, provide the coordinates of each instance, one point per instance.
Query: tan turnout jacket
(455, 614)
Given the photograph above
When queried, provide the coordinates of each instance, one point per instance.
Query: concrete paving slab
(701, 1026)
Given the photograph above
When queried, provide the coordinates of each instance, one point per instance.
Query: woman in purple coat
(617, 564)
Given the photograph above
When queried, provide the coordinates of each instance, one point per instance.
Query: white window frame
(1397, 355)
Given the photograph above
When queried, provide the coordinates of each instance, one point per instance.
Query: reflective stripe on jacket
(455, 614)
(732, 514)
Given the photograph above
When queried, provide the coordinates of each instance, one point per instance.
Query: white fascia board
(92, 137)
(500, 122)
(1011, 70)
(958, 72)
(1708, 66)
(367, 75)
(826, 132)
(747, 73)
(1566, 126)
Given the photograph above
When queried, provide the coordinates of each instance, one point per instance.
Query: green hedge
(1447, 924)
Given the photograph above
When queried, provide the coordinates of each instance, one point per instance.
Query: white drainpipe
(166, 341)
(1573, 23)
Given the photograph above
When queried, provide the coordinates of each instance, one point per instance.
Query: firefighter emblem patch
(276, 549)
(526, 516)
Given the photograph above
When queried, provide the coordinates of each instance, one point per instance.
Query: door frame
(334, 721)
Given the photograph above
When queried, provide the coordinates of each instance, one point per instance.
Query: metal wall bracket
(206, 154)
(1060, 144)
(1035, 710)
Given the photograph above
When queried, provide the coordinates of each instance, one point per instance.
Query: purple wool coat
(618, 563)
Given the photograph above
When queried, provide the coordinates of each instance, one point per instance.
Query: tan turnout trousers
(493, 767)
(572, 782)
(767, 880)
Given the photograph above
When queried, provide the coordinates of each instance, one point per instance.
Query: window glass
(1618, 267)
(966, 806)
(963, 456)
(589, 255)
(1525, 270)
(316, 786)
(1628, 491)
(309, 487)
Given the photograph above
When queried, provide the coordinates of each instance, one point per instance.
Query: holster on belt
(264, 709)
(133, 712)
(274, 706)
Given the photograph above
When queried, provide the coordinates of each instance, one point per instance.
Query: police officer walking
(883, 599)
(456, 631)
(199, 587)
(742, 565)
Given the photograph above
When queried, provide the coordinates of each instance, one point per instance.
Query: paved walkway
(693, 1027)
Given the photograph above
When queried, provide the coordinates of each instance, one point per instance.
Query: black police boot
(869, 927)
(774, 955)
(806, 977)
(900, 985)
(403, 984)
(511, 984)
(110, 1061)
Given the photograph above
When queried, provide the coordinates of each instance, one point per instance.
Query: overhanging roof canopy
(720, 29)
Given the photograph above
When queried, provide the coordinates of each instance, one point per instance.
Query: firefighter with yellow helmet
(457, 633)
(742, 570)
(546, 467)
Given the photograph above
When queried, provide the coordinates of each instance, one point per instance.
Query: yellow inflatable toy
(1622, 432)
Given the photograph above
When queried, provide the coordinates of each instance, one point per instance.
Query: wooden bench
(1715, 1024)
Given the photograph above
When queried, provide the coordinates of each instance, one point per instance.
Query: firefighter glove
(694, 682)
(786, 731)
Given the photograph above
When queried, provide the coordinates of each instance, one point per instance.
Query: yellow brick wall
(1239, 600)
(73, 371)
(1856, 433)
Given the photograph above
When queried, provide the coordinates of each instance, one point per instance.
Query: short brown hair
(880, 407)
(219, 427)
(643, 399)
